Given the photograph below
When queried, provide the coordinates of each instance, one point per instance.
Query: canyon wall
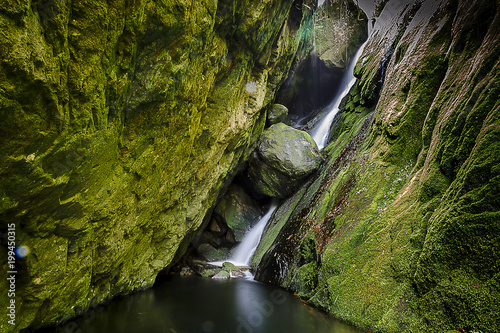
(122, 122)
(399, 230)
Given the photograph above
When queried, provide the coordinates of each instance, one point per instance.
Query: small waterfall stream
(245, 250)
(321, 130)
(247, 247)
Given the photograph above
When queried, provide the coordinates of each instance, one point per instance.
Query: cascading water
(248, 245)
(320, 132)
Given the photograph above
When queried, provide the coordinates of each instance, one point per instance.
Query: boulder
(277, 113)
(222, 275)
(210, 253)
(238, 210)
(284, 158)
(215, 228)
(203, 268)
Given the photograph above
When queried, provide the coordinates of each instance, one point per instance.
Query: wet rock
(232, 269)
(284, 158)
(215, 227)
(211, 253)
(277, 114)
(428, 150)
(222, 275)
(203, 268)
(343, 28)
(131, 131)
(239, 211)
(340, 27)
(229, 238)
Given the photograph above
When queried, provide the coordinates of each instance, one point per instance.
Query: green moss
(123, 122)
(412, 214)
(305, 280)
(400, 52)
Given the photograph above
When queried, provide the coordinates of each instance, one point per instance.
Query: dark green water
(186, 305)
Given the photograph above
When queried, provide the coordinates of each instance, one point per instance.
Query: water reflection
(184, 305)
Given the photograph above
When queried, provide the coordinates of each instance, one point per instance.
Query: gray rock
(203, 268)
(215, 227)
(283, 159)
(277, 113)
(238, 210)
(210, 253)
(232, 269)
(222, 275)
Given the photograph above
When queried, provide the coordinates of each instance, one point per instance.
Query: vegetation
(403, 214)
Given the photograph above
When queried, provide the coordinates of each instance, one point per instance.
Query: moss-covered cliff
(121, 122)
(400, 229)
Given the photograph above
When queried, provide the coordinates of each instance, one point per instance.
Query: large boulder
(283, 159)
(238, 210)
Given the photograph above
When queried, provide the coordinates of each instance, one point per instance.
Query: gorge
(125, 123)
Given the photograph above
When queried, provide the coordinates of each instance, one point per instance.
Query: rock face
(121, 123)
(283, 159)
(340, 28)
(238, 211)
(400, 230)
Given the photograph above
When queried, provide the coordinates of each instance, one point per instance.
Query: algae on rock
(238, 211)
(122, 122)
(404, 212)
(282, 161)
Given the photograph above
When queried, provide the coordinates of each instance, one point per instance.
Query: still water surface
(189, 305)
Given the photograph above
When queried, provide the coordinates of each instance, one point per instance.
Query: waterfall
(248, 245)
(321, 130)
(244, 252)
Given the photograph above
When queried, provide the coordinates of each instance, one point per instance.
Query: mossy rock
(211, 253)
(284, 158)
(404, 212)
(238, 211)
(222, 275)
(232, 269)
(203, 269)
(138, 119)
(277, 113)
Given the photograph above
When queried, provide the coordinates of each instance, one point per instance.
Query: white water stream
(244, 252)
(321, 130)
(248, 245)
